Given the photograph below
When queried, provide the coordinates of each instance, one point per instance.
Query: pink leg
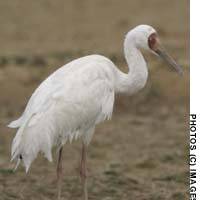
(59, 173)
(83, 169)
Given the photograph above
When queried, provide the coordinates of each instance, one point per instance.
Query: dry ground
(141, 154)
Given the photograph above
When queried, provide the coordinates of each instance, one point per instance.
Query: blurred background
(142, 152)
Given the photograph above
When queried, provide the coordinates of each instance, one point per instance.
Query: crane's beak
(168, 59)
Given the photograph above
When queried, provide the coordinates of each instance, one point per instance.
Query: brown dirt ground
(142, 152)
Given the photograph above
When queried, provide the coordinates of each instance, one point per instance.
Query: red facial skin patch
(153, 41)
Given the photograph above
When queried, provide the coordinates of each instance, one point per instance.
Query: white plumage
(79, 95)
(67, 105)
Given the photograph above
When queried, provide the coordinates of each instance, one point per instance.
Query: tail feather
(29, 141)
(16, 123)
(17, 164)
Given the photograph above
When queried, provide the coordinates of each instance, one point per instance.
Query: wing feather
(65, 106)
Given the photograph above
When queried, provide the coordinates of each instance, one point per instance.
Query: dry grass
(140, 154)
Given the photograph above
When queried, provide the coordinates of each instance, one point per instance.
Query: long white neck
(137, 75)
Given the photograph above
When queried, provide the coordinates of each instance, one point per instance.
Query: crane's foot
(83, 177)
(83, 172)
(59, 173)
(83, 180)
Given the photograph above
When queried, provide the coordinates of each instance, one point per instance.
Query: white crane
(79, 95)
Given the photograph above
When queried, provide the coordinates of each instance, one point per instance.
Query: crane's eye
(152, 41)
